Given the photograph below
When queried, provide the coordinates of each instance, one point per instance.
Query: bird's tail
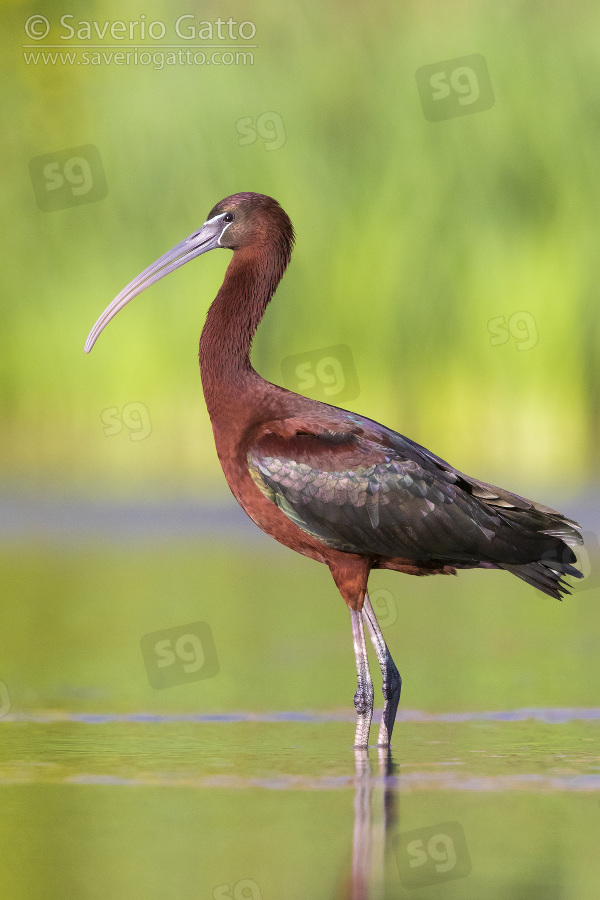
(547, 573)
(544, 576)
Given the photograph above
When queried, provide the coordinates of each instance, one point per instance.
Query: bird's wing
(362, 488)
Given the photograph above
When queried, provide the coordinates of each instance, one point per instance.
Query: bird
(333, 485)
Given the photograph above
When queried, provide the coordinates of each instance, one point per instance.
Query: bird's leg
(391, 676)
(363, 699)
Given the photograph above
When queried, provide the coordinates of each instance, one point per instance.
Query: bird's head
(249, 220)
(240, 222)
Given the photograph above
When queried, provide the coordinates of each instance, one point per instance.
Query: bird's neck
(231, 322)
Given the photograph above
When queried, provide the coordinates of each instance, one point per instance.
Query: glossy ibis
(333, 485)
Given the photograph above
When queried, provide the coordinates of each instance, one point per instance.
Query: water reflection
(375, 820)
(207, 805)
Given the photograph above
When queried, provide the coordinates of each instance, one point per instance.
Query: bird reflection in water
(375, 821)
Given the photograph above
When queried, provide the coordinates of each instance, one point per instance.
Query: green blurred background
(412, 236)
(458, 261)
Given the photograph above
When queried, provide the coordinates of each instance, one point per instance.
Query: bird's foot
(361, 737)
(363, 704)
(391, 696)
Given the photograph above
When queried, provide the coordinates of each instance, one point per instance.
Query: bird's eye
(228, 217)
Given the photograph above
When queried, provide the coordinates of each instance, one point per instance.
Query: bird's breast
(263, 512)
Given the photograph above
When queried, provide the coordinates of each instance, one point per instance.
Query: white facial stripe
(223, 232)
(214, 219)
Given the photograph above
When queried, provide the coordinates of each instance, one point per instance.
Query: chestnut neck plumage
(235, 314)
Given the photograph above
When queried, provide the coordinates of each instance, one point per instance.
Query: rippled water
(280, 806)
(239, 780)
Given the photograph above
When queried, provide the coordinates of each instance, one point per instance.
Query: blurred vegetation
(412, 236)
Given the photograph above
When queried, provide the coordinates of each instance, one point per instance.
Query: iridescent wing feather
(365, 489)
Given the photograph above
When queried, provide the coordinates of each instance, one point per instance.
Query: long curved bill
(197, 243)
